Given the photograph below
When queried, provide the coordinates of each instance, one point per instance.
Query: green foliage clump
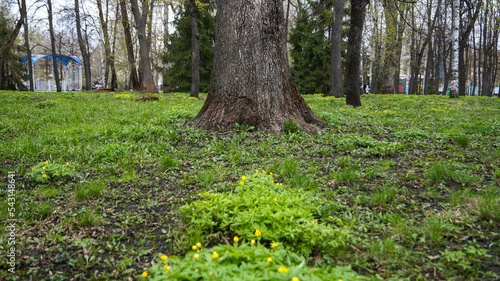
(268, 212)
(244, 262)
(46, 172)
(291, 127)
(462, 140)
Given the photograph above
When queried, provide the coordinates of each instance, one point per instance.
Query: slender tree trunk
(6, 46)
(114, 79)
(287, 16)
(165, 42)
(195, 49)
(24, 11)
(134, 79)
(147, 83)
(455, 48)
(353, 62)
(337, 85)
(107, 45)
(53, 47)
(83, 48)
(251, 81)
(391, 40)
(399, 51)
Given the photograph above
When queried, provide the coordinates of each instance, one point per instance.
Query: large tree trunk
(455, 25)
(391, 47)
(353, 62)
(147, 83)
(134, 80)
(24, 11)
(107, 46)
(53, 47)
(195, 49)
(251, 81)
(337, 86)
(83, 48)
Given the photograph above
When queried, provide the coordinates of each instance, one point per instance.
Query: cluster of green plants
(46, 172)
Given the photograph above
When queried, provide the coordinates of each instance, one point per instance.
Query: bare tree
(83, 48)
(195, 49)
(337, 84)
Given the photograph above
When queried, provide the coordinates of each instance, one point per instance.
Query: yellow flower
(221, 258)
(211, 274)
(57, 172)
(283, 269)
(257, 232)
(194, 247)
(196, 256)
(277, 184)
(257, 171)
(44, 175)
(163, 258)
(43, 168)
(295, 279)
(243, 177)
(275, 199)
(32, 169)
(198, 245)
(215, 255)
(269, 259)
(241, 183)
(166, 267)
(312, 222)
(46, 162)
(67, 163)
(236, 239)
(263, 171)
(274, 245)
(271, 173)
(252, 242)
(144, 274)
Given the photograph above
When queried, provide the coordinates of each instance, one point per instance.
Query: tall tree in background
(353, 60)
(24, 11)
(390, 47)
(178, 54)
(83, 48)
(147, 83)
(337, 83)
(195, 49)
(251, 81)
(55, 67)
(134, 79)
(108, 55)
(455, 37)
(6, 47)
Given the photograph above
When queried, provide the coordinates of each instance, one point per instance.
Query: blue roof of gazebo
(61, 58)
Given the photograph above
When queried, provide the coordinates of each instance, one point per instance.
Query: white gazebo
(71, 74)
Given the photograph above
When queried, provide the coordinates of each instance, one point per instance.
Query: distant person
(366, 89)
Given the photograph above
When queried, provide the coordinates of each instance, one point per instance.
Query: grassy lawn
(403, 187)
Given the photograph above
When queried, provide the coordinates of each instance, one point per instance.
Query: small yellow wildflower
(43, 168)
(196, 256)
(196, 270)
(257, 171)
(295, 279)
(236, 239)
(211, 274)
(277, 184)
(243, 177)
(32, 169)
(275, 199)
(257, 232)
(198, 245)
(283, 269)
(166, 267)
(313, 222)
(271, 173)
(269, 259)
(215, 255)
(242, 183)
(44, 175)
(274, 245)
(67, 163)
(194, 247)
(252, 242)
(221, 258)
(144, 274)
(263, 171)
(46, 162)
(57, 172)
(163, 257)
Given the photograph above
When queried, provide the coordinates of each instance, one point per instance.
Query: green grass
(411, 181)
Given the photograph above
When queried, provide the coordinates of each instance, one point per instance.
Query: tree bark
(455, 25)
(353, 61)
(147, 83)
(134, 80)
(195, 49)
(53, 47)
(251, 81)
(337, 84)
(7, 45)
(24, 11)
(83, 48)
(391, 45)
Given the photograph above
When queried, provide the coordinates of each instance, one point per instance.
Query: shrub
(280, 214)
(46, 172)
(244, 262)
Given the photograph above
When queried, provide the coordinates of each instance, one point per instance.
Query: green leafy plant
(291, 127)
(46, 172)
(268, 212)
(243, 261)
(462, 140)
